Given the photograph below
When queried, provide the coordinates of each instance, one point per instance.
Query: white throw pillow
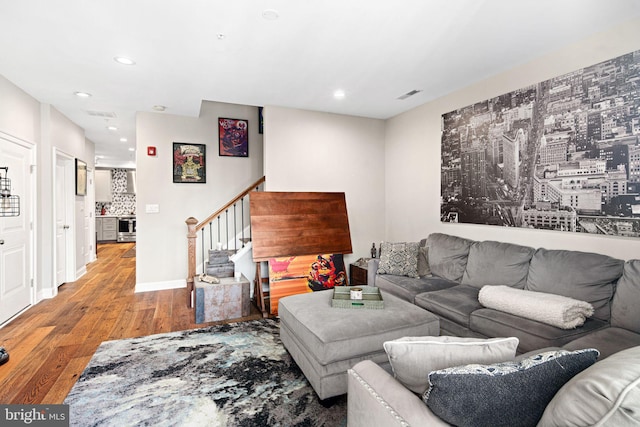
(413, 358)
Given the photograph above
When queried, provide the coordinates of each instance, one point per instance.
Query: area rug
(131, 253)
(229, 375)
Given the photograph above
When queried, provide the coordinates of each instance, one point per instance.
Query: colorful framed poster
(233, 137)
(307, 273)
(189, 164)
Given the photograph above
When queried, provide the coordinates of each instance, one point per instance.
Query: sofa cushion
(455, 303)
(509, 264)
(407, 287)
(423, 261)
(448, 255)
(413, 358)
(399, 258)
(581, 275)
(607, 392)
(503, 394)
(531, 333)
(625, 308)
(607, 341)
(555, 310)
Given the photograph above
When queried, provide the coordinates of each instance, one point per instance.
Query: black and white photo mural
(562, 154)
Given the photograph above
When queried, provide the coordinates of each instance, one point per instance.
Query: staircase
(223, 239)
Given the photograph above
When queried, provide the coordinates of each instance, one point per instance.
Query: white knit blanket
(555, 310)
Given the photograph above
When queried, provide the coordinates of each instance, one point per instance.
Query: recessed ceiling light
(132, 149)
(82, 94)
(123, 139)
(124, 61)
(159, 107)
(339, 94)
(270, 14)
(112, 128)
(220, 36)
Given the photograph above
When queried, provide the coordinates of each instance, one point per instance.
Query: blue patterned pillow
(503, 394)
(400, 259)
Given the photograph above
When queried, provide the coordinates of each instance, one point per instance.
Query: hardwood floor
(52, 342)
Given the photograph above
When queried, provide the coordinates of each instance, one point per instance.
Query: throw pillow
(423, 261)
(412, 358)
(400, 259)
(503, 394)
(607, 393)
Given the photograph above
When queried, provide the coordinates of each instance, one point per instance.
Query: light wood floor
(52, 342)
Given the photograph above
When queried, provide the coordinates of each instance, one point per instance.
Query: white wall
(19, 113)
(313, 151)
(161, 260)
(412, 154)
(25, 118)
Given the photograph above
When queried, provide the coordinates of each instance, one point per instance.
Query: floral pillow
(400, 259)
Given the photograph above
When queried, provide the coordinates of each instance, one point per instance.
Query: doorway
(64, 218)
(16, 236)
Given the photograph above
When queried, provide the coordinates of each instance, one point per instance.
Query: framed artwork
(189, 164)
(306, 273)
(233, 137)
(557, 155)
(260, 121)
(81, 178)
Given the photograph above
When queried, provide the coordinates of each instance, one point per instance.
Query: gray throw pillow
(400, 259)
(504, 394)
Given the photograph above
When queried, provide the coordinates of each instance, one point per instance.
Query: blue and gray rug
(230, 375)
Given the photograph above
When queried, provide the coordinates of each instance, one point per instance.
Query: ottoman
(326, 341)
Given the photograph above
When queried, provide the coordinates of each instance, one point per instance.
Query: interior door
(15, 233)
(64, 205)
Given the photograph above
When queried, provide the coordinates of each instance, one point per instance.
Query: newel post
(191, 258)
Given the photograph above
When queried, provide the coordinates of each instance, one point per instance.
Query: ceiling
(291, 53)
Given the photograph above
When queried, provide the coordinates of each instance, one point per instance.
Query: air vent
(103, 114)
(408, 94)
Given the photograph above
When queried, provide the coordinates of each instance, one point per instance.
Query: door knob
(1, 242)
(65, 227)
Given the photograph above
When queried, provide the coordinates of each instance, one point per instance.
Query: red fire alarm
(151, 151)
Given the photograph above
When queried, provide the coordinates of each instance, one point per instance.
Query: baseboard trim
(45, 294)
(160, 286)
(81, 272)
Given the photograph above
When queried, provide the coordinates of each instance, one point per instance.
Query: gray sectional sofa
(606, 393)
(460, 267)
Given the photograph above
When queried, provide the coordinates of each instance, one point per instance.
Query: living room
(389, 168)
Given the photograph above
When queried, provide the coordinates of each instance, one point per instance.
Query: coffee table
(325, 341)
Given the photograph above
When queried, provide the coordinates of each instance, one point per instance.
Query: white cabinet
(106, 228)
(103, 185)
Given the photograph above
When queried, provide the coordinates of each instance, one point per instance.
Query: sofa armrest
(372, 270)
(376, 399)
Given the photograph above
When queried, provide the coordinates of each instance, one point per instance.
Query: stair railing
(226, 227)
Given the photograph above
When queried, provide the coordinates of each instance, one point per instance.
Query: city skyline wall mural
(562, 154)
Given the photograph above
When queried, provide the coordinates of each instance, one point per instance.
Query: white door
(15, 233)
(64, 204)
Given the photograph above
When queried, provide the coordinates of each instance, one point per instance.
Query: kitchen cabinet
(106, 229)
(103, 185)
